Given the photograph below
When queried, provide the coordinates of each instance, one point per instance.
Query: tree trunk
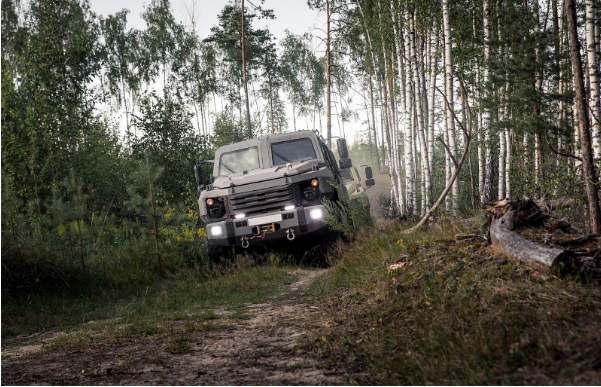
(433, 68)
(328, 79)
(409, 159)
(425, 163)
(249, 129)
(445, 134)
(373, 118)
(593, 73)
(590, 177)
(270, 98)
(449, 93)
(485, 195)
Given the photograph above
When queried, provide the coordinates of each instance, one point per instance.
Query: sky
(294, 15)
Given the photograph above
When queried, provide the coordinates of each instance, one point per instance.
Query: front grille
(263, 201)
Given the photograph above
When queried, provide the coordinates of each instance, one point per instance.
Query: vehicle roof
(255, 141)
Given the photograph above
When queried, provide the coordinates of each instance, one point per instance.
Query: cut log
(514, 246)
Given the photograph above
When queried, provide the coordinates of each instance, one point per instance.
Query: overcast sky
(294, 15)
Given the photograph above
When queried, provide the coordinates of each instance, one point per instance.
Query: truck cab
(356, 181)
(267, 188)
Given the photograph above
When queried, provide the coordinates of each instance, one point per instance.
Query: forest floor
(257, 345)
(392, 308)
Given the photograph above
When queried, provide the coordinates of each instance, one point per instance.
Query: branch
(593, 114)
(444, 193)
(557, 152)
(448, 151)
(453, 112)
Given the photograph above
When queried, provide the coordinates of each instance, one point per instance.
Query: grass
(141, 301)
(453, 314)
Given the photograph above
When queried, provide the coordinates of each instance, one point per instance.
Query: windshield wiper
(280, 156)
(231, 170)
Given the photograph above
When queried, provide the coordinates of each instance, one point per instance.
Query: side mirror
(370, 182)
(365, 172)
(198, 176)
(345, 163)
(368, 173)
(333, 160)
(342, 149)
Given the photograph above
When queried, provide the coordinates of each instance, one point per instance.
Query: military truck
(267, 189)
(357, 181)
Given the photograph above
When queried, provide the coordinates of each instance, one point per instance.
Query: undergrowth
(133, 294)
(453, 313)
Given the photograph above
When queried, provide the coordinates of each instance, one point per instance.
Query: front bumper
(238, 232)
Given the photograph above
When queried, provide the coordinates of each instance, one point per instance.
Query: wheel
(316, 247)
(214, 252)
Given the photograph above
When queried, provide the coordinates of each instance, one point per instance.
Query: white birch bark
(526, 149)
(447, 199)
(414, 149)
(486, 117)
(479, 118)
(425, 164)
(409, 159)
(538, 88)
(398, 49)
(389, 117)
(502, 112)
(431, 94)
(501, 185)
(507, 162)
(593, 74)
(577, 150)
(449, 93)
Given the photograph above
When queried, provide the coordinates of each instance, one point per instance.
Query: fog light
(288, 208)
(316, 213)
(314, 182)
(210, 202)
(239, 216)
(216, 230)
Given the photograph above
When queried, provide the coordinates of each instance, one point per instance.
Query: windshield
(239, 161)
(293, 150)
(346, 174)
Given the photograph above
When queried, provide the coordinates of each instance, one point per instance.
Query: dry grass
(454, 313)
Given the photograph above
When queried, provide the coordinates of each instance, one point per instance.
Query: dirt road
(264, 349)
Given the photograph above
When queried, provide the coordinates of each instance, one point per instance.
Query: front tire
(214, 252)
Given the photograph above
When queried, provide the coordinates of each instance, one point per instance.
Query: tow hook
(245, 242)
(290, 234)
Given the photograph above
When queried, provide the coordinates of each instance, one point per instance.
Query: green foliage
(168, 139)
(346, 215)
(227, 129)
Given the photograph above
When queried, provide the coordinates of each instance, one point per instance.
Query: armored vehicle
(356, 181)
(267, 189)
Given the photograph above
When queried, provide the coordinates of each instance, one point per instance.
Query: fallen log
(504, 216)
(550, 205)
(515, 246)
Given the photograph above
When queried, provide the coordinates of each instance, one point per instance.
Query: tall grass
(454, 313)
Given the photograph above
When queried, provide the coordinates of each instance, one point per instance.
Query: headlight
(239, 216)
(216, 230)
(316, 213)
(215, 208)
(314, 182)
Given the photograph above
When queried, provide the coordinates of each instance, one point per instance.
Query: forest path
(263, 349)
